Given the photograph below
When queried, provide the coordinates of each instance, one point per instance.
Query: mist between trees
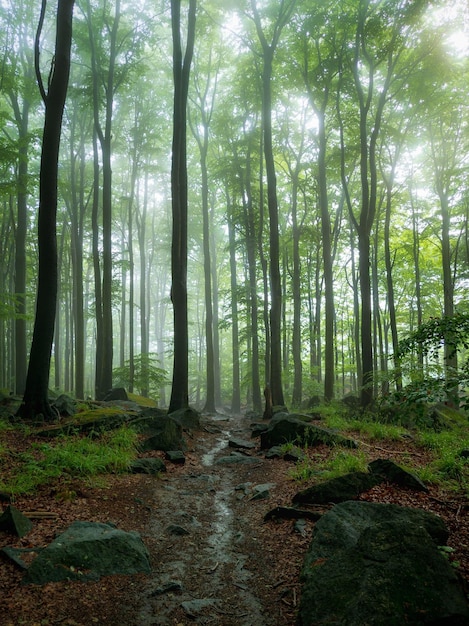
(325, 176)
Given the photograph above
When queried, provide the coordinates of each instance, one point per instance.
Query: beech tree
(35, 399)
(181, 74)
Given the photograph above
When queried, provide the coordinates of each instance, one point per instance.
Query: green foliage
(368, 424)
(72, 457)
(430, 337)
(147, 376)
(340, 462)
(448, 466)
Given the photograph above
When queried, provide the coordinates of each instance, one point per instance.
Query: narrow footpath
(214, 560)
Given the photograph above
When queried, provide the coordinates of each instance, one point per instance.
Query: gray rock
(295, 454)
(176, 456)
(261, 492)
(15, 555)
(379, 564)
(391, 472)
(147, 466)
(87, 551)
(14, 522)
(239, 459)
(118, 393)
(257, 429)
(241, 444)
(176, 529)
(172, 586)
(162, 431)
(187, 418)
(275, 452)
(290, 429)
(65, 405)
(347, 487)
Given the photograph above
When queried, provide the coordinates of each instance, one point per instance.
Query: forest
(247, 195)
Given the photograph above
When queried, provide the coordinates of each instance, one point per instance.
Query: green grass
(340, 462)
(72, 457)
(448, 466)
(337, 420)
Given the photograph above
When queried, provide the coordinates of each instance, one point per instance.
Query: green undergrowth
(448, 467)
(366, 425)
(338, 463)
(67, 457)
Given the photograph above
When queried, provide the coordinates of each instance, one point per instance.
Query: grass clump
(72, 457)
(449, 466)
(340, 462)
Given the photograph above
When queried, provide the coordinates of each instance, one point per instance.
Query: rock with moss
(379, 564)
(161, 431)
(393, 473)
(150, 465)
(340, 489)
(87, 551)
(188, 418)
(290, 429)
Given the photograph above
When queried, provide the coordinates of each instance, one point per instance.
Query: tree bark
(35, 399)
(181, 72)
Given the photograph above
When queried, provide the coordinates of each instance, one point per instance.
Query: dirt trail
(211, 563)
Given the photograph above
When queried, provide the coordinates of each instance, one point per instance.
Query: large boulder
(188, 418)
(289, 429)
(340, 489)
(379, 564)
(393, 473)
(87, 551)
(161, 431)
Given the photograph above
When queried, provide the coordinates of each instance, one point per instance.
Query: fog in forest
(249, 194)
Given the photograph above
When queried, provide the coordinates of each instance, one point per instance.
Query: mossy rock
(93, 421)
(444, 417)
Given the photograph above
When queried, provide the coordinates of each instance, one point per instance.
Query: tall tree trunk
(105, 327)
(236, 389)
(181, 72)
(329, 370)
(35, 399)
(20, 247)
(274, 244)
(297, 393)
(285, 11)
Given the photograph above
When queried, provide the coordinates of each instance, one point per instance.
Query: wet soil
(214, 559)
(218, 570)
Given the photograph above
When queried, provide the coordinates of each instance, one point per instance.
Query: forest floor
(231, 568)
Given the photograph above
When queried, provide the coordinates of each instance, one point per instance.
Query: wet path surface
(208, 564)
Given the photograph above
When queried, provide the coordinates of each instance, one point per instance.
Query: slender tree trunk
(181, 72)
(35, 399)
(297, 394)
(20, 249)
(236, 389)
(329, 373)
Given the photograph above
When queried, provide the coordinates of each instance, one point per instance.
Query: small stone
(147, 466)
(241, 443)
(175, 456)
(276, 452)
(261, 492)
(172, 586)
(300, 526)
(14, 522)
(179, 531)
